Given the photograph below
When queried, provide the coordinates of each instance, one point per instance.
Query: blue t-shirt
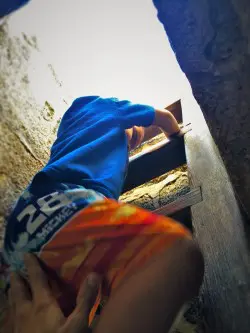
(91, 145)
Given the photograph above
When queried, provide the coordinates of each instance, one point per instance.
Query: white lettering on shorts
(47, 206)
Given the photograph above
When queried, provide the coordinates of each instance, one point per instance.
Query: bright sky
(109, 48)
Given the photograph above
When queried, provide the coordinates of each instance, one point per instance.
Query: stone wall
(32, 101)
(31, 104)
(211, 39)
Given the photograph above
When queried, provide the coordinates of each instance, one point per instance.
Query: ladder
(165, 156)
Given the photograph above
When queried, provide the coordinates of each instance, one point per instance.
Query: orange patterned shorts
(107, 237)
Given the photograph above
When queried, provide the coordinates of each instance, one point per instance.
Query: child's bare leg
(150, 299)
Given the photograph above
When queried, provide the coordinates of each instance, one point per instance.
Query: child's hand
(135, 136)
(163, 120)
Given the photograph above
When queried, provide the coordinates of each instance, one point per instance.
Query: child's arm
(166, 121)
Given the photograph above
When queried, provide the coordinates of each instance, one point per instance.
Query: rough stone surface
(160, 191)
(211, 39)
(31, 104)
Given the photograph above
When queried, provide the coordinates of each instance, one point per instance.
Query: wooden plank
(155, 163)
(220, 230)
(189, 199)
(176, 110)
(180, 210)
(157, 160)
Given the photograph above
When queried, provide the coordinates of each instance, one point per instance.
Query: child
(70, 218)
